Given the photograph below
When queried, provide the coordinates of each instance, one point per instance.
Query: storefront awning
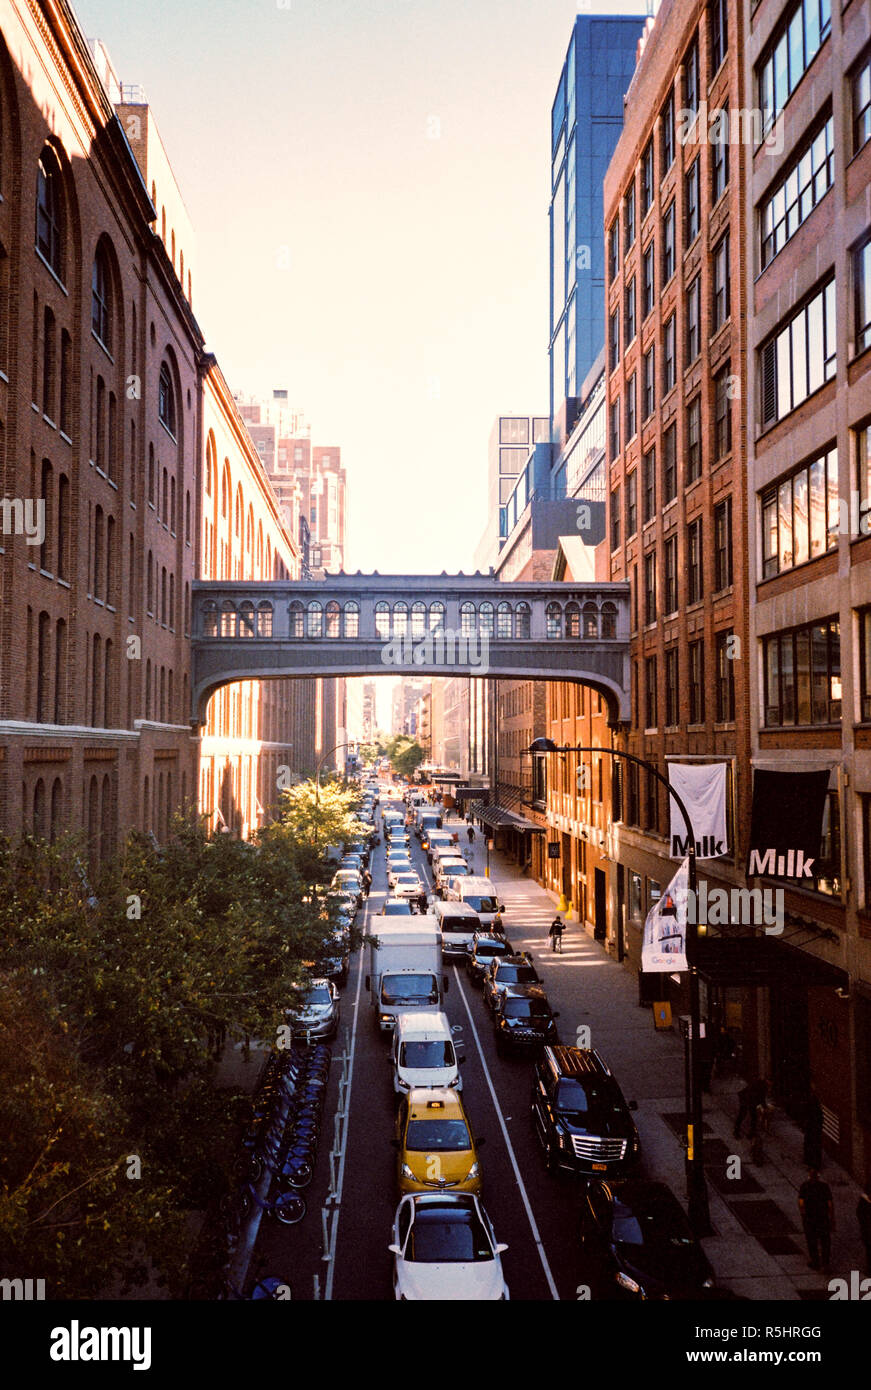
(499, 816)
(756, 961)
(471, 794)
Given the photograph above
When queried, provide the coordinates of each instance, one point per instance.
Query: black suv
(523, 1020)
(580, 1115)
(636, 1242)
(506, 971)
(486, 946)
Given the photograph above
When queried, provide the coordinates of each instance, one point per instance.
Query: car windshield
(571, 1097)
(526, 1008)
(440, 1237)
(426, 1054)
(425, 1136)
(396, 910)
(481, 904)
(515, 974)
(660, 1223)
(409, 989)
(319, 995)
(490, 948)
(407, 878)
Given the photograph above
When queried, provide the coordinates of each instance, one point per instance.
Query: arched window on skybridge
(436, 616)
(382, 619)
(315, 626)
(333, 619)
(522, 621)
(400, 619)
(352, 619)
(246, 619)
(591, 620)
(296, 619)
(573, 620)
(418, 619)
(228, 619)
(609, 619)
(467, 619)
(485, 618)
(503, 620)
(264, 619)
(554, 620)
(210, 619)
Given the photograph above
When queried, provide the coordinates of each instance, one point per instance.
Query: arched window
(63, 526)
(522, 623)
(400, 619)
(163, 595)
(60, 668)
(418, 619)
(264, 619)
(171, 617)
(260, 550)
(609, 620)
(467, 619)
(246, 619)
(56, 815)
(554, 620)
(172, 505)
(333, 619)
(210, 619)
(45, 558)
(503, 620)
(166, 399)
(436, 616)
(573, 620)
(296, 614)
(163, 694)
(591, 621)
(382, 618)
(101, 299)
(50, 212)
(228, 619)
(485, 618)
(352, 619)
(315, 619)
(39, 809)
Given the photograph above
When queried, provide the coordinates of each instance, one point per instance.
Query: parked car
(318, 1012)
(486, 947)
(434, 1143)
(395, 907)
(580, 1116)
(444, 1248)
(636, 1242)
(335, 962)
(523, 1020)
(505, 971)
(407, 885)
(352, 861)
(397, 867)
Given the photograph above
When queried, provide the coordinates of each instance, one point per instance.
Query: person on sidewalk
(813, 1131)
(750, 1099)
(818, 1219)
(863, 1216)
(557, 927)
(471, 835)
(367, 883)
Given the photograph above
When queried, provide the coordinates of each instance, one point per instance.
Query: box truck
(405, 969)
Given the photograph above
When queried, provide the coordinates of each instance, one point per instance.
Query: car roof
(575, 1061)
(459, 1201)
(451, 1105)
(516, 958)
(525, 992)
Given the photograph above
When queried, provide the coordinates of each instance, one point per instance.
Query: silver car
(318, 1012)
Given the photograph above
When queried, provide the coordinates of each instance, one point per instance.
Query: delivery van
(479, 893)
(423, 1052)
(458, 923)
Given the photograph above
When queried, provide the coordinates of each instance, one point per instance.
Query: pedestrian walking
(753, 1096)
(471, 834)
(813, 1132)
(422, 901)
(367, 883)
(818, 1219)
(863, 1216)
(498, 925)
(557, 927)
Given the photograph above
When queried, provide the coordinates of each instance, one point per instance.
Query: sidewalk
(758, 1249)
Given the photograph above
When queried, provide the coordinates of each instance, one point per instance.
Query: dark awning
(499, 816)
(470, 793)
(755, 961)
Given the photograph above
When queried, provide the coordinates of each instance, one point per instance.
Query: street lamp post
(697, 1190)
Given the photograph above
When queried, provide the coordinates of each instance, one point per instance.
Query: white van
(423, 1053)
(479, 893)
(458, 923)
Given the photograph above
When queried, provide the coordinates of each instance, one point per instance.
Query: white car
(406, 884)
(444, 1249)
(397, 867)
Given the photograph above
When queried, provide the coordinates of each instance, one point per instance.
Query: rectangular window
(614, 429)
(861, 93)
(671, 575)
(630, 408)
(669, 465)
(646, 179)
(668, 133)
(800, 357)
(695, 571)
(693, 333)
(723, 545)
(691, 203)
(650, 711)
(615, 519)
(797, 39)
(614, 340)
(613, 249)
(651, 803)
(722, 281)
(720, 155)
(691, 77)
(629, 311)
(650, 587)
(697, 682)
(669, 356)
(629, 217)
(632, 801)
(862, 287)
(722, 412)
(672, 689)
(648, 475)
(694, 440)
(718, 28)
(802, 670)
(631, 504)
(796, 195)
(800, 515)
(649, 390)
(864, 616)
(725, 677)
(668, 245)
(647, 283)
(863, 472)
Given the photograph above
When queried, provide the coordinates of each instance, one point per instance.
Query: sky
(368, 182)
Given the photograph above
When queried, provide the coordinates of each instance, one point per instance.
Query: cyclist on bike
(557, 927)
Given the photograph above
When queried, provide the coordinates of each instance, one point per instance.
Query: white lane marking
(345, 1101)
(523, 1193)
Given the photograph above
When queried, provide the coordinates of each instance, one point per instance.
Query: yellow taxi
(436, 1151)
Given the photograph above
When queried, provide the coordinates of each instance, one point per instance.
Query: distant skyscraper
(586, 121)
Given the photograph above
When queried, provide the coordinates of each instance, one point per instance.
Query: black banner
(786, 824)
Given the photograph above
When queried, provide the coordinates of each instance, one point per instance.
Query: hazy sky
(394, 156)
